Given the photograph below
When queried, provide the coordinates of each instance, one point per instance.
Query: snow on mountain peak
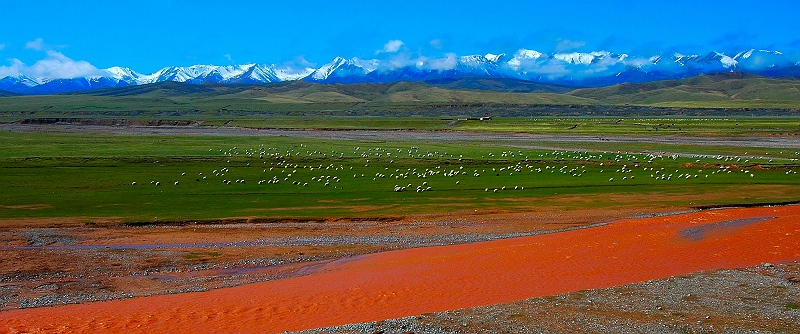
(120, 72)
(126, 74)
(326, 70)
(726, 60)
(472, 60)
(368, 65)
(576, 58)
(655, 59)
(478, 60)
(231, 71)
(523, 55)
(682, 59)
(528, 54)
(355, 65)
(24, 80)
(744, 54)
(493, 57)
(285, 73)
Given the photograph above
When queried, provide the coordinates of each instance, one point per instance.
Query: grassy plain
(90, 178)
(599, 126)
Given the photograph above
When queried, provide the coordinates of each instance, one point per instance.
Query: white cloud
(391, 46)
(397, 61)
(436, 44)
(2, 46)
(448, 62)
(549, 68)
(13, 69)
(568, 45)
(639, 62)
(37, 44)
(297, 62)
(229, 58)
(55, 66)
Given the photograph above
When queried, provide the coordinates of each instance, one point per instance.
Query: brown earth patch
(422, 280)
(27, 206)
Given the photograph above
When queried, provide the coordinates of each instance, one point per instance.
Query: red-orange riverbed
(415, 281)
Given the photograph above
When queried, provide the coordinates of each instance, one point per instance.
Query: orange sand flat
(408, 282)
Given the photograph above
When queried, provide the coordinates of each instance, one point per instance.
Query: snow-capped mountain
(477, 65)
(56, 86)
(287, 73)
(579, 58)
(125, 74)
(523, 56)
(353, 70)
(22, 84)
(18, 83)
(597, 68)
(252, 74)
(343, 70)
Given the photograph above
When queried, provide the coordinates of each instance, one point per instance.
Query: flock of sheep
(277, 167)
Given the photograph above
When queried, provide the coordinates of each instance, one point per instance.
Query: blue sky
(147, 35)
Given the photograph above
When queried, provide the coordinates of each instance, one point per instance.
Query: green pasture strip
(734, 154)
(322, 117)
(133, 178)
(339, 123)
(650, 126)
(602, 126)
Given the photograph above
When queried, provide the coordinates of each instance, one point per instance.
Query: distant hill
(498, 85)
(729, 90)
(160, 89)
(294, 96)
(5, 93)
(712, 90)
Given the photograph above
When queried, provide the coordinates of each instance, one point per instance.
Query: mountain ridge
(568, 69)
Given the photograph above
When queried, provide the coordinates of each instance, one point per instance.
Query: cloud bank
(54, 66)
(391, 46)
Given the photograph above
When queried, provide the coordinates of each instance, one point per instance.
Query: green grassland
(88, 178)
(600, 126)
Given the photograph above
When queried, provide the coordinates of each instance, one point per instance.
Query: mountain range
(575, 69)
(736, 92)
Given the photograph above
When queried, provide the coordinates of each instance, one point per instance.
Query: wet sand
(415, 281)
